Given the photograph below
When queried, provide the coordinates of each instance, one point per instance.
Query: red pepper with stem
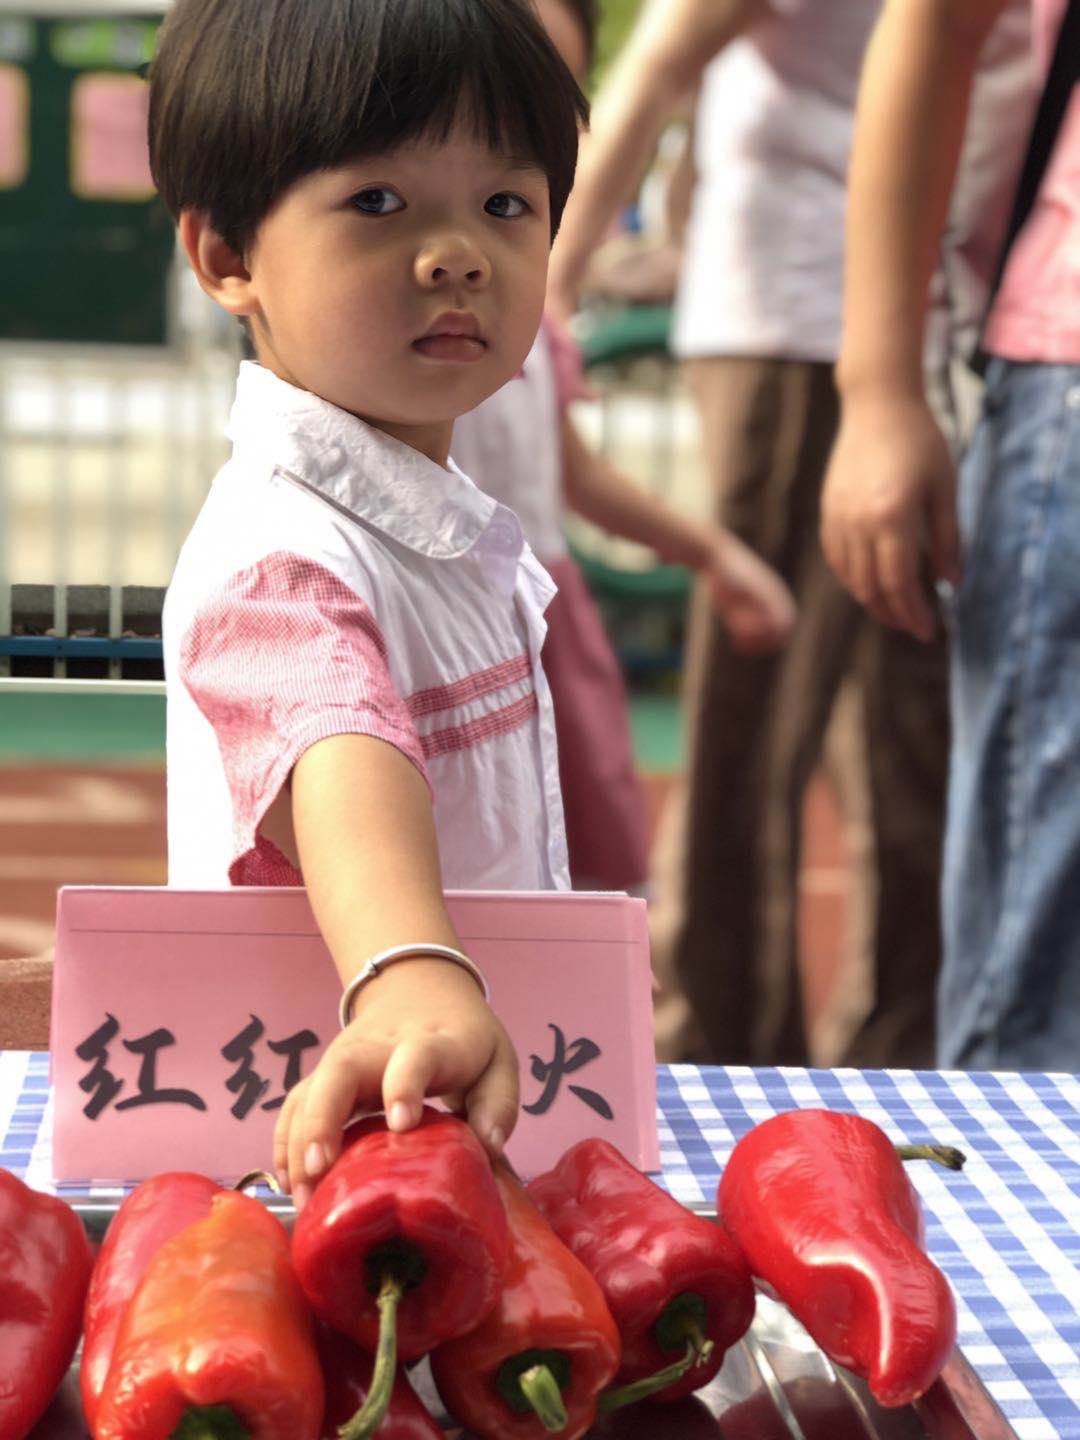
(537, 1364)
(44, 1269)
(347, 1371)
(671, 1279)
(403, 1244)
(216, 1343)
(821, 1207)
(154, 1212)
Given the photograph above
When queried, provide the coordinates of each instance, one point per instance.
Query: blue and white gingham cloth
(1006, 1230)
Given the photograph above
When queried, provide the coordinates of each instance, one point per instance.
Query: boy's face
(404, 288)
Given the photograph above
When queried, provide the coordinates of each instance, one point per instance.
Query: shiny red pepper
(347, 1371)
(821, 1207)
(154, 1212)
(421, 1206)
(537, 1364)
(44, 1269)
(217, 1341)
(670, 1278)
(402, 1245)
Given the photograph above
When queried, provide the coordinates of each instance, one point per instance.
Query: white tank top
(763, 267)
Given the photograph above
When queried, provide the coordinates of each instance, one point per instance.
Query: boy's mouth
(454, 335)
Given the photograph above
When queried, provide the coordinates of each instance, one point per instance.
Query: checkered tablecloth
(1006, 1231)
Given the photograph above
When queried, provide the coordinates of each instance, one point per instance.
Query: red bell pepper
(154, 1212)
(44, 1270)
(403, 1244)
(822, 1209)
(670, 1278)
(347, 1371)
(216, 1343)
(538, 1363)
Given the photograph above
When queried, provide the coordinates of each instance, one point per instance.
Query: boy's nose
(453, 259)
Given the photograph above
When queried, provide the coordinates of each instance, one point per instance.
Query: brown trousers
(756, 732)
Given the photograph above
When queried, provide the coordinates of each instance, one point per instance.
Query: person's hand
(420, 1028)
(890, 496)
(749, 596)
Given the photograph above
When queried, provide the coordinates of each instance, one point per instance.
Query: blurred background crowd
(781, 806)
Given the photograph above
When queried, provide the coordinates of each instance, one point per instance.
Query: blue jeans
(1009, 992)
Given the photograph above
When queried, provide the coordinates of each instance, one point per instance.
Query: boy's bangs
(456, 61)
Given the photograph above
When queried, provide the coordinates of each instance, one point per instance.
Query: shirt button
(1072, 397)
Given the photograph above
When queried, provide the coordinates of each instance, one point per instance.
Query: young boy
(353, 631)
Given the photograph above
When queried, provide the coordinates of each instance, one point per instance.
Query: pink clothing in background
(1037, 313)
(511, 446)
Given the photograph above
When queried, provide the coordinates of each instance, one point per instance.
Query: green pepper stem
(541, 1389)
(690, 1331)
(258, 1177)
(945, 1155)
(370, 1415)
(209, 1422)
(653, 1384)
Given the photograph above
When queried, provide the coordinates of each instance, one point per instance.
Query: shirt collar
(387, 484)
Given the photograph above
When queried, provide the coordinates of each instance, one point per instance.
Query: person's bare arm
(366, 837)
(890, 490)
(662, 60)
(754, 603)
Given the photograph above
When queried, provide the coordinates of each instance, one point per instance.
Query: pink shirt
(1037, 313)
(338, 582)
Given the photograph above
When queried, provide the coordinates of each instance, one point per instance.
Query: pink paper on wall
(14, 126)
(109, 155)
(181, 1017)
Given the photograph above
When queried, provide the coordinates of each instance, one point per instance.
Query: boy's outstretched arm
(749, 596)
(669, 47)
(366, 839)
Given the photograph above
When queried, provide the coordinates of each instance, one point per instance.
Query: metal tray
(774, 1385)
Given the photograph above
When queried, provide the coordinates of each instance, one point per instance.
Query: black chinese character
(101, 1079)
(246, 1082)
(565, 1061)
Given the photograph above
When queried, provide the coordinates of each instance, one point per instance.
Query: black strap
(1063, 74)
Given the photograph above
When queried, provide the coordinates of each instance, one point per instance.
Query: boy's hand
(420, 1028)
(749, 596)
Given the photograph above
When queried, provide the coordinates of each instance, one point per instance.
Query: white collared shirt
(336, 581)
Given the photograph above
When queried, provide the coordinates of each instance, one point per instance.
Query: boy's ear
(218, 268)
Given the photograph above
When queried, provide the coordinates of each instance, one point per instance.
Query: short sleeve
(283, 655)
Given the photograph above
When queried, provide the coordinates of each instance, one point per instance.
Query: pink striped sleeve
(284, 655)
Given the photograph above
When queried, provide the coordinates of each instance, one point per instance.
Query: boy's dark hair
(248, 96)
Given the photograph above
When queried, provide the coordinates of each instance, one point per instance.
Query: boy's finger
(346, 1076)
(493, 1101)
(281, 1134)
(415, 1068)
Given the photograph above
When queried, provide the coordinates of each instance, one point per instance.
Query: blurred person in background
(757, 325)
(1008, 541)
(522, 447)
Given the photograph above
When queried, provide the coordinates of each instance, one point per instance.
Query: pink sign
(180, 1018)
(14, 126)
(109, 155)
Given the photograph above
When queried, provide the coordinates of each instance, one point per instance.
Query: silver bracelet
(405, 952)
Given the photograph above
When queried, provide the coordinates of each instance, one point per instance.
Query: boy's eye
(505, 205)
(378, 200)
